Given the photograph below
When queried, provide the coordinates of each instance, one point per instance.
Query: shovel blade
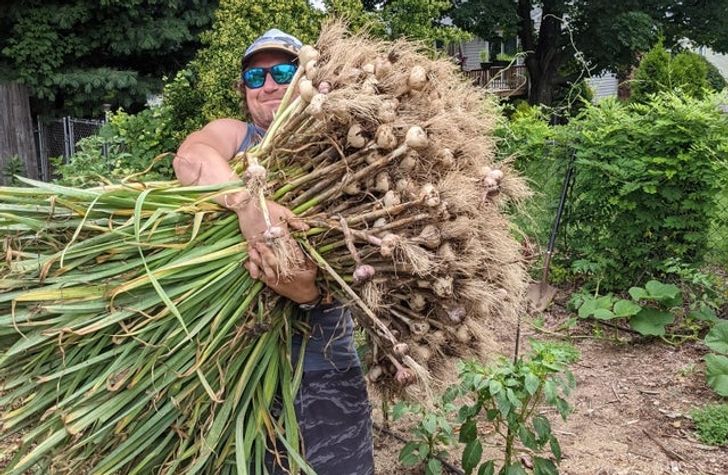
(540, 295)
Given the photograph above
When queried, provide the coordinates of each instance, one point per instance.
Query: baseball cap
(273, 39)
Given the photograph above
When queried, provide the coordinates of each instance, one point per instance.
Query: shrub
(646, 180)
(653, 73)
(132, 142)
(686, 71)
(711, 423)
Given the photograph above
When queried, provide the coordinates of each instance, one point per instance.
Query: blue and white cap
(274, 39)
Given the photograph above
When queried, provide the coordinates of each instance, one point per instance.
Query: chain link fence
(59, 137)
(718, 233)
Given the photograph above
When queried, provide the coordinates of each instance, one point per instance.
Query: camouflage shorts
(334, 415)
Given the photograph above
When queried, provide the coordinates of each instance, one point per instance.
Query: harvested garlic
(363, 273)
(307, 53)
(311, 69)
(382, 67)
(352, 188)
(391, 198)
(385, 137)
(354, 137)
(306, 90)
(417, 78)
(429, 195)
(416, 138)
(382, 182)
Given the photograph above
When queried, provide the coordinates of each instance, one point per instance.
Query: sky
(318, 4)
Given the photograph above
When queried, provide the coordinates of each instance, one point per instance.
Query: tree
(77, 55)
(415, 19)
(606, 35)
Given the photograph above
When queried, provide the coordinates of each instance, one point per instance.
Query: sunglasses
(281, 74)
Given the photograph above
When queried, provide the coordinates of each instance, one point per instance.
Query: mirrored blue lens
(254, 77)
(281, 73)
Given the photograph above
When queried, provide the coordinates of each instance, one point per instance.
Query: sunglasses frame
(266, 72)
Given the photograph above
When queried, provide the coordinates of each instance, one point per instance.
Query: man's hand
(300, 285)
(252, 224)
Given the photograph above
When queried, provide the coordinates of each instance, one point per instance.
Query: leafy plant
(659, 71)
(716, 364)
(127, 144)
(711, 423)
(649, 309)
(507, 395)
(484, 55)
(12, 168)
(505, 57)
(647, 179)
(431, 435)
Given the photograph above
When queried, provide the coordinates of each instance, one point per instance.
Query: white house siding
(603, 86)
(471, 51)
(719, 60)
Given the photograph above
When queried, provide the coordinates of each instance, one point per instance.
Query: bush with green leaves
(711, 424)
(131, 142)
(648, 310)
(508, 396)
(716, 364)
(660, 71)
(647, 178)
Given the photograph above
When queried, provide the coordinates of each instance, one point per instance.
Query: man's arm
(204, 158)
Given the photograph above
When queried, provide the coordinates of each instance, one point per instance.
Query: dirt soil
(631, 410)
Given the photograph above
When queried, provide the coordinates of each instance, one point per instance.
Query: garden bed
(631, 410)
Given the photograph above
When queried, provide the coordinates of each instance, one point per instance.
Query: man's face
(264, 101)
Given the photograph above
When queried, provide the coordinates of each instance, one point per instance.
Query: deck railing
(503, 81)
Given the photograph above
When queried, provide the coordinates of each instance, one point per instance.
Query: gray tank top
(330, 343)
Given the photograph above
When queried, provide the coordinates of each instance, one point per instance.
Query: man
(332, 405)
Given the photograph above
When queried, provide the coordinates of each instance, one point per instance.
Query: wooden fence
(16, 133)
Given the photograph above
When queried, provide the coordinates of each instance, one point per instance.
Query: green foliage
(653, 74)
(430, 436)
(205, 90)
(715, 79)
(132, 142)
(686, 72)
(506, 395)
(711, 423)
(716, 364)
(647, 177)
(356, 16)
(77, 55)
(648, 310)
(607, 35)
(13, 168)
(420, 20)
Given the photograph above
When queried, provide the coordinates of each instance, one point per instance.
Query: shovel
(541, 294)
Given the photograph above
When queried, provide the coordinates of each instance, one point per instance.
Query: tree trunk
(16, 132)
(544, 54)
